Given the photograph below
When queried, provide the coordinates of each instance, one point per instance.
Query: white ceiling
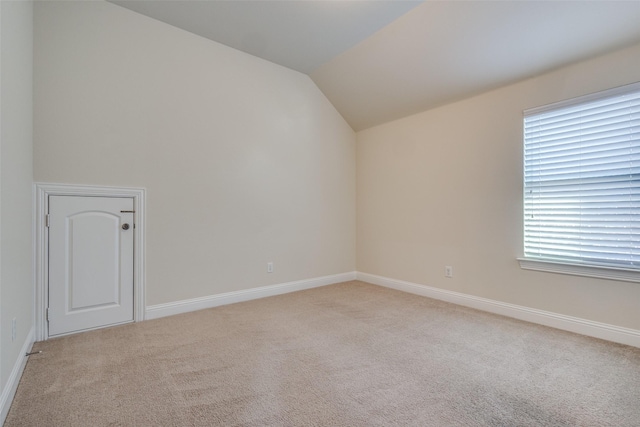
(299, 34)
(379, 60)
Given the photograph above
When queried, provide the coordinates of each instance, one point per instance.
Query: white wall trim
(184, 306)
(598, 271)
(41, 207)
(11, 385)
(559, 321)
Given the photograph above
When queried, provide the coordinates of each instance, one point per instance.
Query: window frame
(594, 270)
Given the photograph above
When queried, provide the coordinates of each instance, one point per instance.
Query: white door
(90, 262)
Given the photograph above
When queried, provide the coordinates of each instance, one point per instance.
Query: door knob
(125, 226)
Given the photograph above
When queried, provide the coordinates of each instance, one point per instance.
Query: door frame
(42, 191)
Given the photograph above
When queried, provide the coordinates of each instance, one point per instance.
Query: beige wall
(244, 161)
(444, 187)
(16, 179)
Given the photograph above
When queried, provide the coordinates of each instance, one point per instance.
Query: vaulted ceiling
(380, 60)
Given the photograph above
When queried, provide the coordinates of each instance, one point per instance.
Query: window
(582, 181)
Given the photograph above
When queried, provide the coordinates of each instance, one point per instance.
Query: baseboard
(559, 321)
(184, 306)
(11, 386)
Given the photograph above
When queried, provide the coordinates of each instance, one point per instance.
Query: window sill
(600, 272)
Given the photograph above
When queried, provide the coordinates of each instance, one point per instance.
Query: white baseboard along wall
(11, 386)
(559, 321)
(184, 306)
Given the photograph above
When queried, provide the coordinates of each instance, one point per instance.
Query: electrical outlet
(13, 329)
(448, 271)
(269, 267)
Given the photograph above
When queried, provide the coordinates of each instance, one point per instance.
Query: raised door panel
(90, 263)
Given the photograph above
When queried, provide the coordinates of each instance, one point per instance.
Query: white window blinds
(582, 180)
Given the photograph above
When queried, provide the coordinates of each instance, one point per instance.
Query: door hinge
(47, 314)
(47, 220)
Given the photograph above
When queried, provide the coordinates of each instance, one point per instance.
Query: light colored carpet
(351, 354)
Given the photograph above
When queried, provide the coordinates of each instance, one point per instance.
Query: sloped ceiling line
(380, 60)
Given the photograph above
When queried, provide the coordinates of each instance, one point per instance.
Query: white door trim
(41, 207)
